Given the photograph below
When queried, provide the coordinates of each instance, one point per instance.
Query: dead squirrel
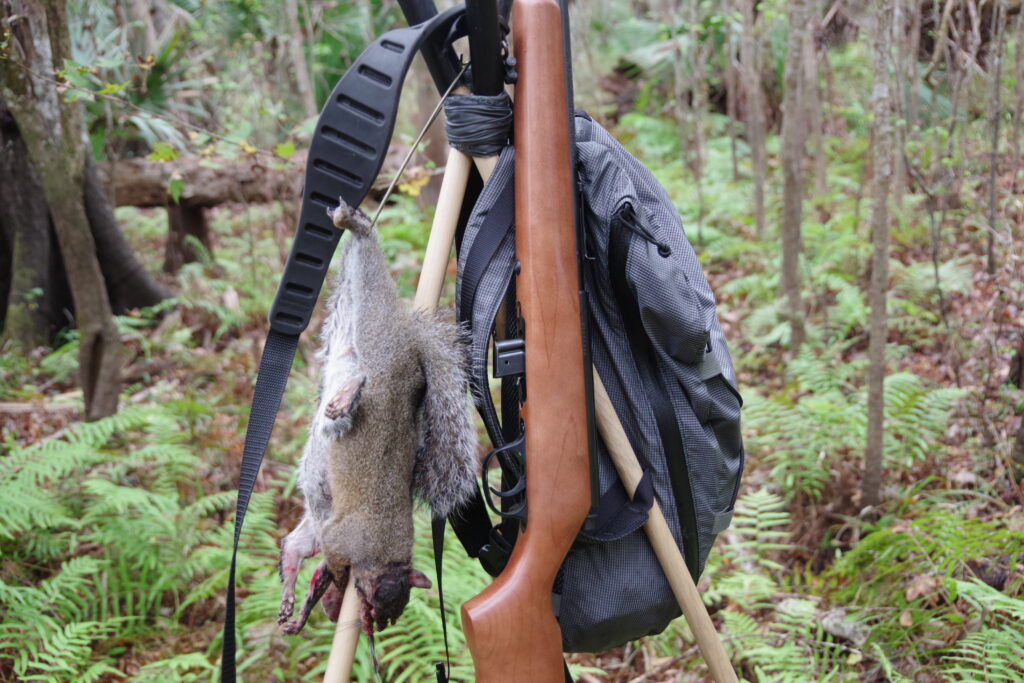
(392, 421)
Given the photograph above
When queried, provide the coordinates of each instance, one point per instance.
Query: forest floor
(134, 511)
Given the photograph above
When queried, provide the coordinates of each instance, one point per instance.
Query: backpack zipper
(653, 385)
(627, 216)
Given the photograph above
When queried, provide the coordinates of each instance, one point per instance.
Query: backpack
(661, 354)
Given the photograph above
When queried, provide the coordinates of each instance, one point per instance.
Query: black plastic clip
(509, 357)
(494, 556)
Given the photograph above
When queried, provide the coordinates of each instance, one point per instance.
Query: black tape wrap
(478, 125)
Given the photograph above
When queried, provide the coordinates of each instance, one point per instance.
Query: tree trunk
(1018, 94)
(998, 28)
(811, 101)
(129, 285)
(754, 109)
(436, 148)
(913, 72)
(899, 175)
(206, 181)
(34, 295)
(881, 151)
(142, 16)
(52, 129)
(679, 99)
(699, 99)
(794, 131)
(731, 90)
(298, 58)
(184, 221)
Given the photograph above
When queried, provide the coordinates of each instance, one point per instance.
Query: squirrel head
(385, 594)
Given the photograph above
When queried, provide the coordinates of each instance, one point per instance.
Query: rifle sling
(437, 535)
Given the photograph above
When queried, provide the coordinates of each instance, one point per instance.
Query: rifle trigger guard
(518, 510)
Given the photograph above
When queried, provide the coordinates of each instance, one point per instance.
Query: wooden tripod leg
(346, 636)
(658, 533)
(442, 231)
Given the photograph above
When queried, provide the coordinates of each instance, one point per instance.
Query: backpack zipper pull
(628, 216)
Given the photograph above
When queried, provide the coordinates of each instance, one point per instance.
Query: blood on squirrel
(392, 423)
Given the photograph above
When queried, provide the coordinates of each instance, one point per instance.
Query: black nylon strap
(493, 230)
(437, 532)
(276, 363)
(655, 392)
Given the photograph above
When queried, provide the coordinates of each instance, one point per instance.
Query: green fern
(996, 651)
(187, 668)
(912, 566)
(775, 635)
(916, 417)
(822, 418)
(133, 523)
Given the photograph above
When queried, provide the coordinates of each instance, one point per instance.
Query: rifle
(510, 627)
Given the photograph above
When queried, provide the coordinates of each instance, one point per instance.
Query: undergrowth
(114, 535)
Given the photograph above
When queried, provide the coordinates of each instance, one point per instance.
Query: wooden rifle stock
(510, 627)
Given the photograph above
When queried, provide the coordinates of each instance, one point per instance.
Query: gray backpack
(661, 354)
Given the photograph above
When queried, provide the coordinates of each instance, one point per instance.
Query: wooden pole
(346, 636)
(442, 231)
(658, 533)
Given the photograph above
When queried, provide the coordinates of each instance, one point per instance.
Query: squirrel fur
(392, 423)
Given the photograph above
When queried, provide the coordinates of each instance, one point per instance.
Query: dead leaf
(963, 477)
(906, 620)
(922, 584)
(231, 300)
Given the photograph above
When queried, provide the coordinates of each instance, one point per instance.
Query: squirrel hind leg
(331, 602)
(296, 547)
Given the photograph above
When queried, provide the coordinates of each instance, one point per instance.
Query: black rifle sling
(437, 535)
(348, 148)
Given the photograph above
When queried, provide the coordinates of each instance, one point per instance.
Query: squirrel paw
(345, 401)
(287, 609)
(347, 217)
(322, 580)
